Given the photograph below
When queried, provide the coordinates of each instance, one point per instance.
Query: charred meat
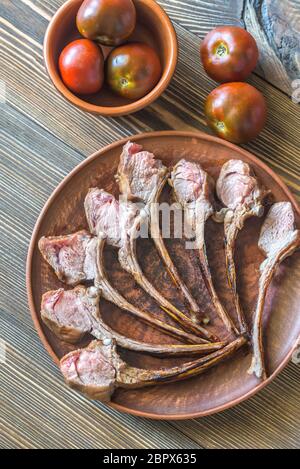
(98, 370)
(72, 257)
(278, 240)
(130, 219)
(142, 178)
(71, 314)
(240, 192)
(193, 190)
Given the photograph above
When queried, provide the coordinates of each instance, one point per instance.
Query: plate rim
(33, 242)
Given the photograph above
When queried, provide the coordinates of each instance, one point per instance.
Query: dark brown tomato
(236, 112)
(81, 66)
(133, 70)
(109, 22)
(229, 53)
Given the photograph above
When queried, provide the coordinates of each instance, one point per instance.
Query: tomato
(229, 53)
(109, 22)
(236, 112)
(133, 70)
(81, 66)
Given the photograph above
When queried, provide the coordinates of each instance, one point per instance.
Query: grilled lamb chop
(98, 370)
(123, 236)
(72, 257)
(242, 195)
(278, 240)
(192, 188)
(74, 313)
(142, 178)
(70, 314)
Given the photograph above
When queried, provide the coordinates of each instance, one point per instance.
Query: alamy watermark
(154, 220)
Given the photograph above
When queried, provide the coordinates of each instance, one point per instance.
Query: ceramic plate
(228, 383)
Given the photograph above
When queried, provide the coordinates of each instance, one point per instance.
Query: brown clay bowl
(227, 384)
(153, 27)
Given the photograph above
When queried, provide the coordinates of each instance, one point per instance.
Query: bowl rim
(51, 199)
(125, 109)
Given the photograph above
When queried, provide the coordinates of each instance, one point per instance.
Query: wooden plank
(42, 139)
(45, 414)
(273, 23)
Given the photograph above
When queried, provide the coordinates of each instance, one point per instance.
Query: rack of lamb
(72, 314)
(119, 224)
(78, 258)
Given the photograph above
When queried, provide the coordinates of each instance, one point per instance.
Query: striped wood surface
(42, 139)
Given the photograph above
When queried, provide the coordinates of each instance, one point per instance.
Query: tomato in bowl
(153, 27)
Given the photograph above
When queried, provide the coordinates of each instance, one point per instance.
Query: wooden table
(42, 138)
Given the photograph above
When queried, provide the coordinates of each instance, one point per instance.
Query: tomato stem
(124, 82)
(222, 50)
(220, 126)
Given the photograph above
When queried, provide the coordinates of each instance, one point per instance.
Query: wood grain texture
(42, 139)
(276, 27)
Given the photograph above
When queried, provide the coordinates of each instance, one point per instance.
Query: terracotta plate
(228, 384)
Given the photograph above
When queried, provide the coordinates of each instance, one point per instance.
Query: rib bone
(74, 259)
(278, 240)
(240, 192)
(192, 189)
(141, 177)
(74, 313)
(98, 370)
(112, 295)
(128, 226)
